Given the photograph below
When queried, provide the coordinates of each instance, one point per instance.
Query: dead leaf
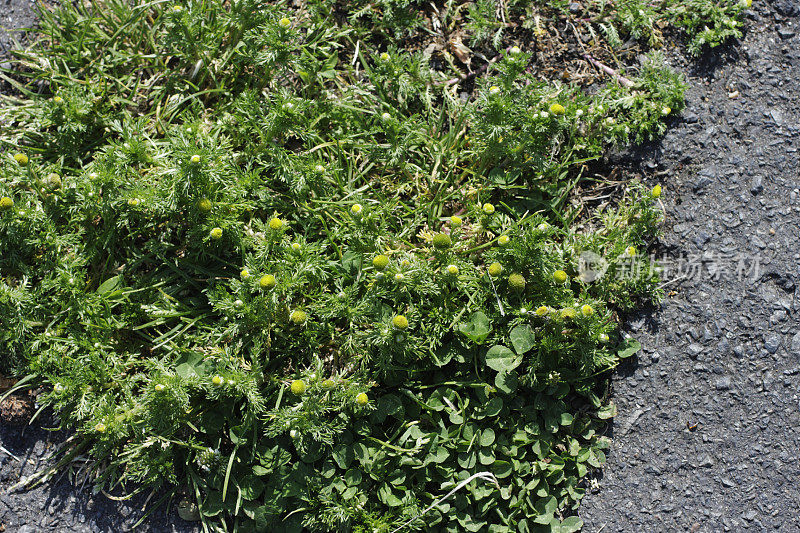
(429, 50)
(460, 50)
(6, 383)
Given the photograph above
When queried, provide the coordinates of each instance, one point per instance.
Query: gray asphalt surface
(708, 433)
(14, 14)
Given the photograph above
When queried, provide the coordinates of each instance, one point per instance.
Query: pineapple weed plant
(268, 258)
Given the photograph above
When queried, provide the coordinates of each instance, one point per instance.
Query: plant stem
(608, 70)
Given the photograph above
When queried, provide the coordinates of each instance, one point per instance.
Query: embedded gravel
(14, 14)
(708, 432)
(64, 506)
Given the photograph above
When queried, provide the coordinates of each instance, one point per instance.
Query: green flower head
(53, 181)
(6, 203)
(267, 281)
(559, 276)
(495, 269)
(298, 317)
(298, 387)
(362, 398)
(276, 224)
(216, 234)
(516, 282)
(442, 241)
(656, 192)
(21, 159)
(380, 262)
(567, 312)
(400, 322)
(204, 205)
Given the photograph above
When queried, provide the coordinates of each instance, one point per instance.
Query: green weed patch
(318, 268)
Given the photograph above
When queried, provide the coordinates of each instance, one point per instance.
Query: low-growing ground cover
(280, 258)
